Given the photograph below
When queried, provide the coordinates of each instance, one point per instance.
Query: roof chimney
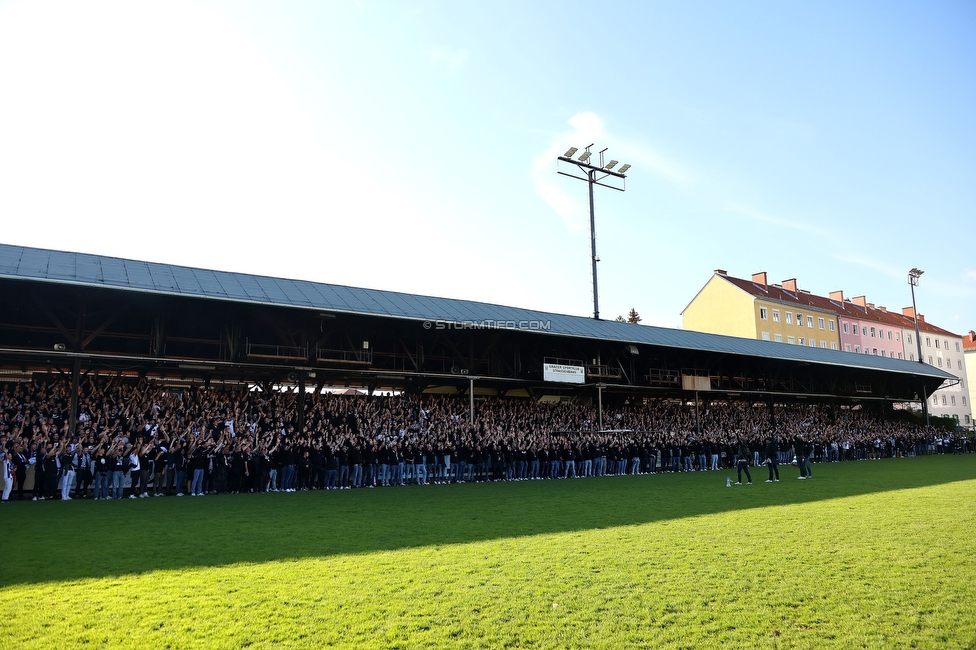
(759, 278)
(837, 295)
(790, 285)
(921, 318)
(908, 312)
(880, 308)
(871, 305)
(860, 301)
(720, 272)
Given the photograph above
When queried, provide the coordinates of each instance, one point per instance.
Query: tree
(620, 319)
(633, 317)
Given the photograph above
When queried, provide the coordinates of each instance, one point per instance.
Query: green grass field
(875, 554)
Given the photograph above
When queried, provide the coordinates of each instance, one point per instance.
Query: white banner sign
(567, 374)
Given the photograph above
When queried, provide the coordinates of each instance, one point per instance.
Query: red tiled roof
(969, 340)
(799, 299)
(845, 308)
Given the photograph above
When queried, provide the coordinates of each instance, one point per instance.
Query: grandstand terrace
(70, 315)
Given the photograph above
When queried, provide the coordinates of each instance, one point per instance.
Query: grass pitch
(869, 554)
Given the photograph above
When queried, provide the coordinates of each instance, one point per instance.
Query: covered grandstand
(64, 313)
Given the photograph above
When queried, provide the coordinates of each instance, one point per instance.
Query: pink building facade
(866, 329)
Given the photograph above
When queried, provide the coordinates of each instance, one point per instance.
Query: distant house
(783, 313)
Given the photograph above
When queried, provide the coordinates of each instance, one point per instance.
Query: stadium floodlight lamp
(593, 174)
(916, 273)
(623, 170)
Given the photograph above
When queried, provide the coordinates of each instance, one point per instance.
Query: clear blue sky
(411, 145)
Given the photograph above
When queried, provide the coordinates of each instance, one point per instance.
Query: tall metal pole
(596, 300)
(594, 175)
(912, 281)
(913, 276)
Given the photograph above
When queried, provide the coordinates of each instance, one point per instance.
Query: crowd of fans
(144, 439)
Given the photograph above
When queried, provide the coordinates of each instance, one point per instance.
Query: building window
(847, 347)
(891, 355)
(778, 338)
(765, 336)
(813, 343)
(889, 335)
(821, 324)
(775, 315)
(960, 364)
(791, 340)
(802, 341)
(872, 332)
(875, 351)
(957, 346)
(909, 339)
(763, 313)
(899, 355)
(855, 331)
(833, 346)
(940, 362)
(928, 342)
(936, 344)
(857, 349)
(930, 359)
(952, 399)
(880, 333)
(823, 344)
(789, 318)
(845, 327)
(964, 401)
(943, 400)
(897, 337)
(831, 323)
(911, 357)
(810, 322)
(799, 319)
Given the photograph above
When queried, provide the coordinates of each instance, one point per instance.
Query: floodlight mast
(594, 175)
(913, 277)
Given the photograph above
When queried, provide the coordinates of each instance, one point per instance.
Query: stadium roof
(41, 265)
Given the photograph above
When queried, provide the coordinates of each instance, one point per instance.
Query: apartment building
(784, 313)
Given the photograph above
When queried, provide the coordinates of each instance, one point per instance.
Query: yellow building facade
(757, 310)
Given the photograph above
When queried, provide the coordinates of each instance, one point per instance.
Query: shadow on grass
(54, 541)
